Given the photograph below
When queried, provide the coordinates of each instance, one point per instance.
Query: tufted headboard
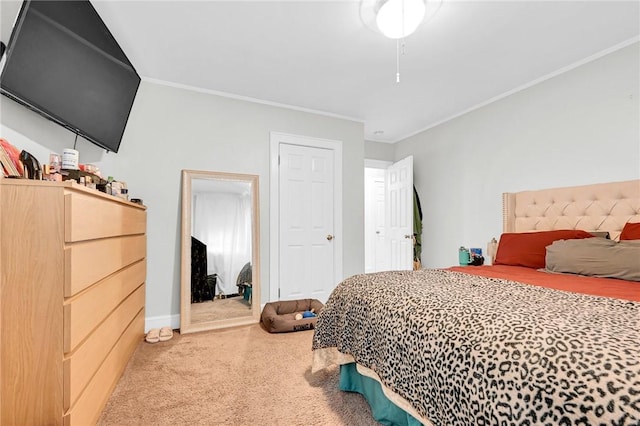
(598, 207)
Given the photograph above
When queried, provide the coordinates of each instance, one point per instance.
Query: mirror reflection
(219, 250)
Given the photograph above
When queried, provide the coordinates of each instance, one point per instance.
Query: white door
(376, 253)
(399, 217)
(306, 224)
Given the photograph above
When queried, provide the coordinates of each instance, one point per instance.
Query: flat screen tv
(62, 62)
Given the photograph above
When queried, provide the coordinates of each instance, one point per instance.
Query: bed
(508, 343)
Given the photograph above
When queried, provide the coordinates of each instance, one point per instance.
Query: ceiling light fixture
(400, 18)
(397, 19)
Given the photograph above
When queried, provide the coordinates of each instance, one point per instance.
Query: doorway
(388, 215)
(306, 217)
(376, 256)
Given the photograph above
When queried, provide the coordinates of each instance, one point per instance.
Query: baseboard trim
(172, 321)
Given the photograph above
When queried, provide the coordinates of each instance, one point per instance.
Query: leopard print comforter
(469, 350)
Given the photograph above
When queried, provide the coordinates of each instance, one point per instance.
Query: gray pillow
(596, 257)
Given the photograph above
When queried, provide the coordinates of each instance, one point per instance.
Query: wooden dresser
(73, 268)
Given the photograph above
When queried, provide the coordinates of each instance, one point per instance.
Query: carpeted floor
(239, 376)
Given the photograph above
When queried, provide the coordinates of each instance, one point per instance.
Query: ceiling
(322, 55)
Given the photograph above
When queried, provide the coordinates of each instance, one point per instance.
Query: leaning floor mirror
(220, 260)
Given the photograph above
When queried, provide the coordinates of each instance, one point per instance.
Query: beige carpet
(240, 376)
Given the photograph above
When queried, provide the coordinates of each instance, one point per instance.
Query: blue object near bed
(383, 410)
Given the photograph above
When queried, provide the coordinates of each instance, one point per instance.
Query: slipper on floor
(165, 334)
(153, 336)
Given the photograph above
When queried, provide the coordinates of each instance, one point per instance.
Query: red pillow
(631, 231)
(529, 248)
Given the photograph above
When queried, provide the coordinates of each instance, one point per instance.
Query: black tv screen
(62, 62)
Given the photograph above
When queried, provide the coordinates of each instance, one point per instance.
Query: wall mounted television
(63, 62)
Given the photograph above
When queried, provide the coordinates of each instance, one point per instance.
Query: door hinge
(278, 294)
(278, 160)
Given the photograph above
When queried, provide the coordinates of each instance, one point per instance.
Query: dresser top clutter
(71, 184)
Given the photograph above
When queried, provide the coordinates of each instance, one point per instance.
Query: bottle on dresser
(117, 188)
(109, 187)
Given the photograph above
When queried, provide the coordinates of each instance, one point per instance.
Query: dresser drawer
(87, 262)
(87, 409)
(80, 367)
(83, 313)
(88, 217)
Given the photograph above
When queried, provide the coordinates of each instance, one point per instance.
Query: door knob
(329, 237)
(407, 236)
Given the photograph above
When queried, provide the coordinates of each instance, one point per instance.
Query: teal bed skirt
(383, 410)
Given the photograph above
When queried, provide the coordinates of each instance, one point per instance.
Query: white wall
(171, 129)
(379, 151)
(577, 128)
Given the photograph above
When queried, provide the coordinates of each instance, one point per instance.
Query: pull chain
(400, 44)
(398, 61)
(399, 51)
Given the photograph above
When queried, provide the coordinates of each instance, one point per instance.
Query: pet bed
(280, 317)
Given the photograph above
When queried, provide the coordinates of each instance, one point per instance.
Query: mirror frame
(186, 326)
